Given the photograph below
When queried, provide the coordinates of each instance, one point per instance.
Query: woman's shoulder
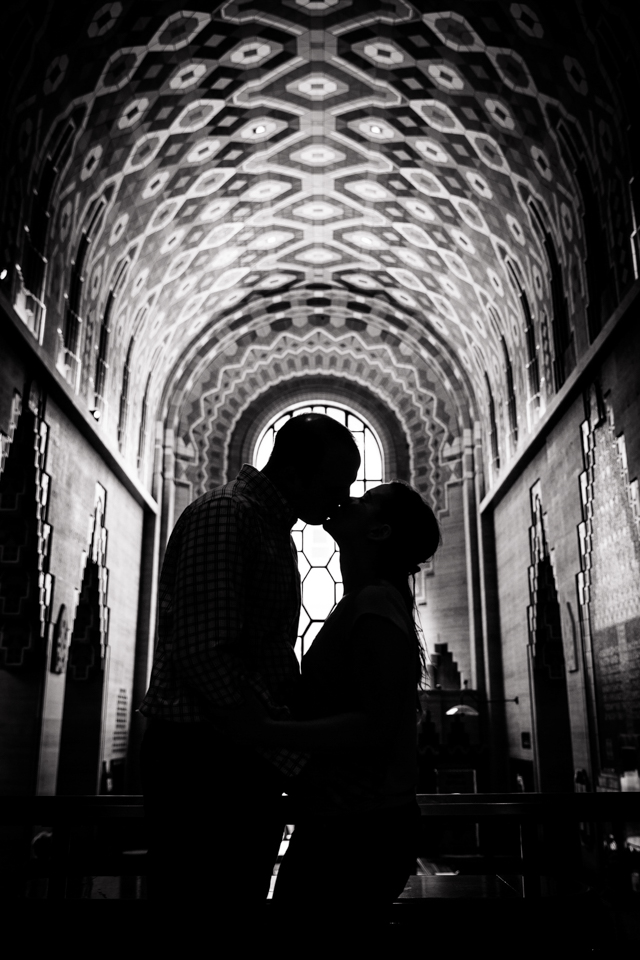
(382, 599)
(378, 591)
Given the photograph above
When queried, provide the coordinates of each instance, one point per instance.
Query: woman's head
(393, 524)
(386, 535)
(414, 533)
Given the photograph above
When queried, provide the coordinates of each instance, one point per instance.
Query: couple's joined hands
(248, 721)
(252, 722)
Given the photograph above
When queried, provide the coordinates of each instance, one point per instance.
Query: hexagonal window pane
(303, 623)
(318, 546)
(318, 593)
(311, 634)
(318, 556)
(334, 567)
(303, 565)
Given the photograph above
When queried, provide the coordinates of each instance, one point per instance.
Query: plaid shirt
(228, 608)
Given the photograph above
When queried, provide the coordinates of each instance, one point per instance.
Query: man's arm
(210, 596)
(385, 678)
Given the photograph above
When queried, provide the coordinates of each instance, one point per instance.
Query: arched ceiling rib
(420, 399)
(324, 318)
(378, 153)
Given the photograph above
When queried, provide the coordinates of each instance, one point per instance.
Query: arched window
(33, 271)
(597, 255)
(533, 369)
(123, 415)
(142, 433)
(493, 426)
(318, 555)
(69, 358)
(512, 411)
(102, 364)
(562, 333)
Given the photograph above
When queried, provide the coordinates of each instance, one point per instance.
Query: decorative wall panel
(83, 715)
(609, 587)
(547, 669)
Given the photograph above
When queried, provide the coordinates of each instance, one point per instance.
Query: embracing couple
(233, 722)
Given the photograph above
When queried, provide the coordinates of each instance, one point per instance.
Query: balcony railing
(59, 840)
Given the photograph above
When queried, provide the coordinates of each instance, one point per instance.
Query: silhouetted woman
(356, 826)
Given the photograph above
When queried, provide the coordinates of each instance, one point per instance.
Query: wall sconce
(466, 710)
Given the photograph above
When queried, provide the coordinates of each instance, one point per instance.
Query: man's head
(314, 462)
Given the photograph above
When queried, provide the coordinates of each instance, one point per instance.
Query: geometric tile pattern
(89, 639)
(547, 666)
(616, 593)
(229, 385)
(543, 614)
(26, 585)
(81, 734)
(439, 163)
(608, 585)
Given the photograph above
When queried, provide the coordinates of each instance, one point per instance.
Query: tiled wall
(614, 560)
(75, 468)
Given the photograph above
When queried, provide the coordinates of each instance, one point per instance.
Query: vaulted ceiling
(384, 178)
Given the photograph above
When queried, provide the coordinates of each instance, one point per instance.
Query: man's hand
(248, 722)
(325, 791)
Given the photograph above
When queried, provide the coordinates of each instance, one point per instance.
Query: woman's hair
(415, 537)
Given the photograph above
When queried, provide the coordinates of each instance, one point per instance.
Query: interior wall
(524, 149)
(611, 390)
(74, 467)
(557, 468)
(442, 603)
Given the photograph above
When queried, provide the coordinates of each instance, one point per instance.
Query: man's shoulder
(224, 501)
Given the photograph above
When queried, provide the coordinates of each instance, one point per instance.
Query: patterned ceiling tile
(426, 160)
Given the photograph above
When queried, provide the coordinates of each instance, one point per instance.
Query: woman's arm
(251, 722)
(385, 667)
(385, 675)
(344, 731)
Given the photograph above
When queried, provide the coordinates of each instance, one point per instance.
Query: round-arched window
(318, 554)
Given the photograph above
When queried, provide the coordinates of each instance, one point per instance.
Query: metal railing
(65, 829)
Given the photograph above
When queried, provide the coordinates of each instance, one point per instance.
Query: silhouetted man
(229, 604)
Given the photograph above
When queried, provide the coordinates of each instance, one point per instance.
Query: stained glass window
(318, 554)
